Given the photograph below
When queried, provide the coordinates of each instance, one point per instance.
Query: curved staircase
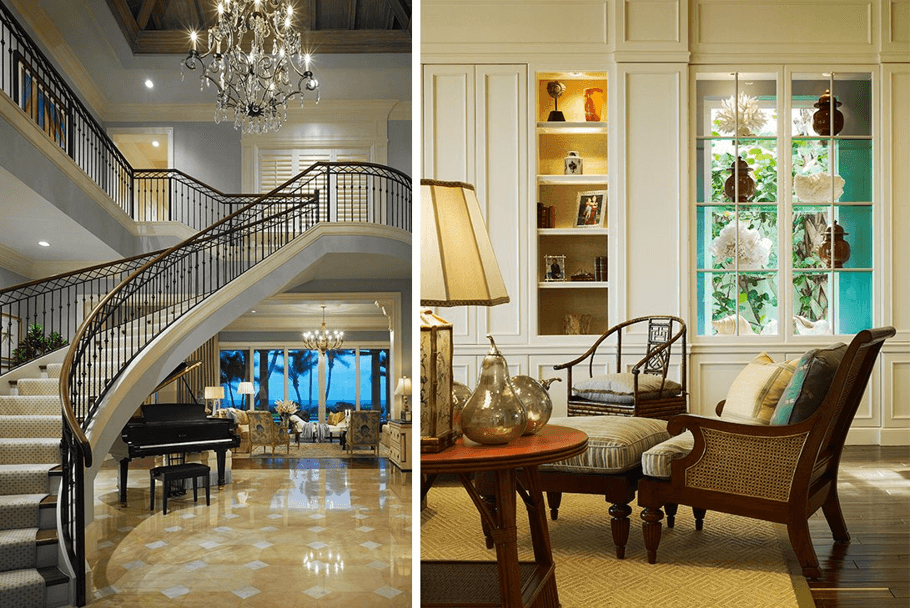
(30, 428)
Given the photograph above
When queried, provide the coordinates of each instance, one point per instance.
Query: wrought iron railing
(160, 291)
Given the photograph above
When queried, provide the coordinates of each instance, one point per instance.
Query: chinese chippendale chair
(644, 390)
(782, 472)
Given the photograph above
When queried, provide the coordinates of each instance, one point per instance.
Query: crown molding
(14, 261)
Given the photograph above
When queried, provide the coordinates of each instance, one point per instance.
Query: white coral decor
(285, 407)
(816, 188)
(751, 118)
(753, 251)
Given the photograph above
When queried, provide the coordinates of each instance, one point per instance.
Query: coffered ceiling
(328, 26)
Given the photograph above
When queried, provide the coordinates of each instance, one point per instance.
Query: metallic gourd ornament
(494, 414)
(536, 399)
(460, 395)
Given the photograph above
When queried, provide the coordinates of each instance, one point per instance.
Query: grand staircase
(30, 429)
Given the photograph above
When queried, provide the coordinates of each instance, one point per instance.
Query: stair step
(30, 426)
(21, 511)
(23, 588)
(33, 405)
(53, 370)
(25, 479)
(56, 587)
(38, 386)
(18, 548)
(29, 451)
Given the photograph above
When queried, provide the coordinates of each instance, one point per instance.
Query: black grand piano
(175, 428)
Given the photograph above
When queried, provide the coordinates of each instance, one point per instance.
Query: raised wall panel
(649, 183)
(897, 383)
(501, 159)
(448, 122)
(896, 80)
(897, 14)
(652, 30)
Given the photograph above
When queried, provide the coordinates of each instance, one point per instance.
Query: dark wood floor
(873, 570)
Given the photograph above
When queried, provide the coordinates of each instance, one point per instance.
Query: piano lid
(179, 371)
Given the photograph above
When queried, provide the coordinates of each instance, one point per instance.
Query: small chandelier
(254, 85)
(323, 339)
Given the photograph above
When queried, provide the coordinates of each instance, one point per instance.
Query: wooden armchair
(363, 430)
(265, 431)
(781, 473)
(644, 390)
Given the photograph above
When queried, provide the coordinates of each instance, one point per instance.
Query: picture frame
(591, 209)
(35, 98)
(554, 268)
(10, 334)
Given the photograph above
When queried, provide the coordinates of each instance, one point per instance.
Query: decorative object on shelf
(214, 394)
(600, 268)
(594, 104)
(546, 216)
(246, 388)
(403, 390)
(807, 327)
(458, 268)
(254, 83)
(582, 275)
(821, 120)
(576, 325)
(818, 187)
(733, 325)
(323, 339)
(573, 164)
(555, 89)
(591, 207)
(741, 117)
(535, 397)
(555, 268)
(739, 174)
(745, 244)
(834, 247)
(460, 395)
(494, 414)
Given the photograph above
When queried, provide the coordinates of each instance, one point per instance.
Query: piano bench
(176, 472)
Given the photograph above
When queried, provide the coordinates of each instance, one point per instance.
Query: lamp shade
(404, 386)
(214, 392)
(457, 264)
(245, 388)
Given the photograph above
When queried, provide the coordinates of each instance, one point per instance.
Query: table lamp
(404, 390)
(246, 388)
(458, 268)
(215, 394)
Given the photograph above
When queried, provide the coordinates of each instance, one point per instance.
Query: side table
(506, 582)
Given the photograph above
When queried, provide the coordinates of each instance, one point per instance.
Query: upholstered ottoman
(611, 466)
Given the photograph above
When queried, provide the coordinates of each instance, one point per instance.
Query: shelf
(575, 128)
(573, 231)
(572, 180)
(573, 284)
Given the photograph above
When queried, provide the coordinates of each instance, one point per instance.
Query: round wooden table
(514, 467)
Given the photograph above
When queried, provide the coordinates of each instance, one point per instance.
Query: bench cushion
(615, 443)
(655, 462)
(620, 388)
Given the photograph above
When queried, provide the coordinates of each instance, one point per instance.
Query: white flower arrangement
(285, 407)
(751, 118)
(753, 251)
(816, 188)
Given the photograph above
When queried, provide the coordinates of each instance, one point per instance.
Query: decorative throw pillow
(809, 384)
(620, 388)
(758, 387)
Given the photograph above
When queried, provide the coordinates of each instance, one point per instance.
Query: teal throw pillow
(809, 384)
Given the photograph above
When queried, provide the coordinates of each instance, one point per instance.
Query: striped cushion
(758, 387)
(620, 388)
(615, 443)
(656, 461)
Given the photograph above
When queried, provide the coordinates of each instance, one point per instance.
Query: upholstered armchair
(363, 430)
(644, 389)
(265, 431)
(780, 466)
(241, 426)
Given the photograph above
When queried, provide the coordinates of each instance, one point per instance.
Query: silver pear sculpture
(460, 395)
(494, 414)
(534, 396)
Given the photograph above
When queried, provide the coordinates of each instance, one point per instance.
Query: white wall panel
(897, 384)
(650, 186)
(896, 80)
(448, 123)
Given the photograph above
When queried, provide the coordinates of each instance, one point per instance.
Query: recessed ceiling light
(252, 311)
(44, 243)
(149, 84)
(155, 143)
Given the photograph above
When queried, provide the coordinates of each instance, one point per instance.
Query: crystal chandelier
(255, 84)
(323, 339)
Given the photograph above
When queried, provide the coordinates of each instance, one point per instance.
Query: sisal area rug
(313, 450)
(733, 562)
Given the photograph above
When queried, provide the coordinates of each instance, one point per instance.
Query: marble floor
(284, 532)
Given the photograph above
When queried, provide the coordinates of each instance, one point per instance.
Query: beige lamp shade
(245, 388)
(404, 386)
(457, 264)
(214, 392)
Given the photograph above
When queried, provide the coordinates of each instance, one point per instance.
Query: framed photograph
(10, 333)
(43, 106)
(555, 268)
(592, 209)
